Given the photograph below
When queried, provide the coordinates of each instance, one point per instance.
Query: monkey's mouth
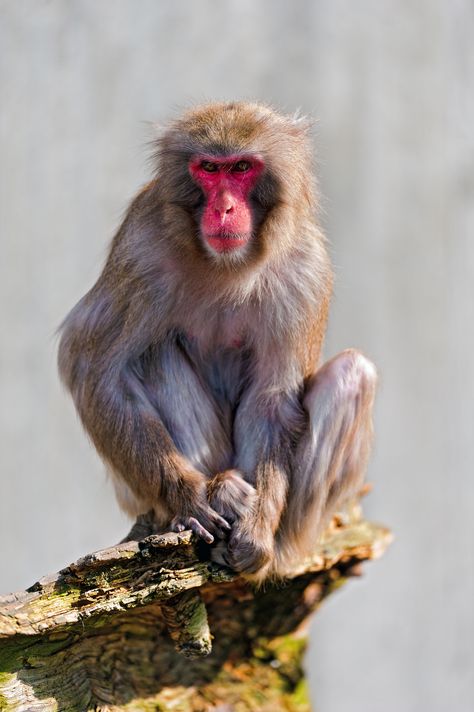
(225, 241)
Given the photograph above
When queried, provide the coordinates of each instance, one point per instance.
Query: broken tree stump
(152, 624)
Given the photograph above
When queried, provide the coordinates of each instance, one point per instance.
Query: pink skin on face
(226, 223)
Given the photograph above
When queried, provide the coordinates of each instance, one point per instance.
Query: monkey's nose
(224, 205)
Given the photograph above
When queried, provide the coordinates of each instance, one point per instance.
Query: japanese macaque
(194, 360)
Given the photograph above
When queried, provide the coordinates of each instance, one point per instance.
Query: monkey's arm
(99, 352)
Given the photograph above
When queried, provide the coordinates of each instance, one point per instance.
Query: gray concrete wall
(391, 84)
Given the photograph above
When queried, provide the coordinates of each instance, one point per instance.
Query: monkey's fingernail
(205, 535)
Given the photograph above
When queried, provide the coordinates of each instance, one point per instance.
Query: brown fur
(183, 366)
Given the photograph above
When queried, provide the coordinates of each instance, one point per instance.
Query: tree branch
(102, 634)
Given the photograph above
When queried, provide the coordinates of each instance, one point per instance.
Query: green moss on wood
(108, 632)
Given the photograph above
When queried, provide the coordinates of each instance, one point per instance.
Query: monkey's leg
(331, 456)
(198, 424)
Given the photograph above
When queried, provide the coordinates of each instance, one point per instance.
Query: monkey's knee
(348, 377)
(333, 452)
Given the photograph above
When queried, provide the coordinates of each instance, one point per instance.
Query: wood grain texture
(131, 628)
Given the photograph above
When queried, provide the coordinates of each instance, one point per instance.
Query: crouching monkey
(194, 359)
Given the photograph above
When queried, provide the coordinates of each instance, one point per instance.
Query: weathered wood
(130, 628)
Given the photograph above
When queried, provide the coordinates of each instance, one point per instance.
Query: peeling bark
(132, 628)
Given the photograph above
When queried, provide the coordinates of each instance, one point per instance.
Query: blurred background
(391, 86)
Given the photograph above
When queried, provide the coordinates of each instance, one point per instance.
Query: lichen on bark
(152, 624)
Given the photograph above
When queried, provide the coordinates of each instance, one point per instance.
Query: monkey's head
(230, 174)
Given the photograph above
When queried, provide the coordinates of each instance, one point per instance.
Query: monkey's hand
(231, 496)
(203, 520)
(235, 499)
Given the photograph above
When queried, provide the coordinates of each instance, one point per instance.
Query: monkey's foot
(248, 553)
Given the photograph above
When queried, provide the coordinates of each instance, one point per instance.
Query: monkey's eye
(209, 166)
(241, 166)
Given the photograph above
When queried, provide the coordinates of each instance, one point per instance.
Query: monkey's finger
(218, 530)
(199, 530)
(220, 522)
(216, 524)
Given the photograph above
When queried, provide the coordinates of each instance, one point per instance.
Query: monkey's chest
(218, 345)
(215, 331)
(221, 367)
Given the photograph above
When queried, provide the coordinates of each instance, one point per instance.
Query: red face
(227, 221)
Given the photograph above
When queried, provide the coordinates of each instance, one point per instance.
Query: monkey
(194, 360)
